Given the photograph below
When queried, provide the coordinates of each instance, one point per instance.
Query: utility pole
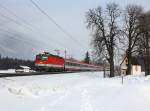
(122, 78)
(65, 60)
(65, 54)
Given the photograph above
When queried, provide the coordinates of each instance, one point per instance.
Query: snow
(8, 71)
(87, 91)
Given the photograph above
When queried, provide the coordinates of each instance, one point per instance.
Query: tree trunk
(129, 65)
(111, 66)
(112, 69)
(147, 61)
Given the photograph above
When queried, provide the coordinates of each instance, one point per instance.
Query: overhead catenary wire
(16, 22)
(17, 37)
(54, 22)
(12, 13)
(24, 24)
(14, 36)
(29, 25)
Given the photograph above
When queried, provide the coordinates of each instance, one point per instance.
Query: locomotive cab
(49, 62)
(41, 57)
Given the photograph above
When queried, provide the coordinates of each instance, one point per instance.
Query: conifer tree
(87, 58)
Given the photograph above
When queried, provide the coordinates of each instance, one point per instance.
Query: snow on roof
(24, 67)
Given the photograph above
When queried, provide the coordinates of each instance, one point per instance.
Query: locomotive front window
(44, 58)
(41, 57)
(38, 57)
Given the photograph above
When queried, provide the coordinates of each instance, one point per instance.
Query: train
(52, 63)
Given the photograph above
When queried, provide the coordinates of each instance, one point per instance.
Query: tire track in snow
(55, 102)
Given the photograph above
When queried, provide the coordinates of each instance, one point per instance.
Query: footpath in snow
(87, 91)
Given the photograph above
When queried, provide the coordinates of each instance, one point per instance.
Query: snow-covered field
(75, 92)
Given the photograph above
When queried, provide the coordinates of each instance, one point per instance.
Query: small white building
(135, 68)
(22, 69)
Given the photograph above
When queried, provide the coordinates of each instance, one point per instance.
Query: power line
(13, 36)
(16, 22)
(11, 12)
(25, 41)
(17, 37)
(25, 22)
(54, 22)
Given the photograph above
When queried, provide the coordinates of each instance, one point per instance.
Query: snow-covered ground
(8, 71)
(75, 92)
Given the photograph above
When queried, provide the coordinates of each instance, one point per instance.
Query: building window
(126, 61)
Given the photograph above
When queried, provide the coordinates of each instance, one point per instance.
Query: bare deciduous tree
(105, 29)
(131, 31)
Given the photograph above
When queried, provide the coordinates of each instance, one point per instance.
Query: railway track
(35, 73)
(30, 74)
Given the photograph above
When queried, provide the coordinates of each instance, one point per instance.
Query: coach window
(67, 63)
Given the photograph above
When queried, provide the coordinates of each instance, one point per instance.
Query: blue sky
(45, 36)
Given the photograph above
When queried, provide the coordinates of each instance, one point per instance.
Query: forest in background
(11, 63)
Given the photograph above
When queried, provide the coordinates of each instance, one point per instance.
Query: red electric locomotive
(49, 62)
